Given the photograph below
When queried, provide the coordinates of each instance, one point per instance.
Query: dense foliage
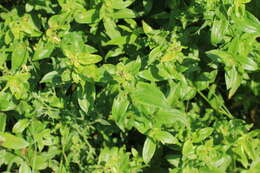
(128, 86)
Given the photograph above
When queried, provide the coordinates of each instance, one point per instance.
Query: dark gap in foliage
(258, 39)
(41, 86)
(71, 89)
(134, 140)
(47, 170)
(76, 27)
(74, 166)
(8, 64)
(254, 7)
(3, 168)
(9, 4)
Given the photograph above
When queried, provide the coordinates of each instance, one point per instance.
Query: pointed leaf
(119, 108)
(148, 150)
(124, 14)
(170, 116)
(43, 50)
(120, 4)
(147, 29)
(166, 137)
(110, 28)
(86, 59)
(24, 168)
(188, 150)
(20, 126)
(49, 77)
(218, 31)
(19, 55)
(150, 95)
(12, 142)
(86, 16)
(86, 96)
(222, 56)
(2, 121)
(233, 81)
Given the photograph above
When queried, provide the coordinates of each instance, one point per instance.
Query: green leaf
(19, 55)
(19, 85)
(89, 49)
(118, 41)
(150, 95)
(248, 23)
(49, 77)
(86, 16)
(148, 150)
(3, 56)
(218, 31)
(171, 116)
(255, 167)
(55, 101)
(43, 50)
(134, 66)
(223, 162)
(147, 29)
(6, 103)
(20, 126)
(124, 14)
(12, 142)
(156, 52)
(72, 43)
(119, 109)
(110, 28)
(24, 168)
(188, 150)
(211, 170)
(120, 4)
(233, 81)
(173, 159)
(39, 161)
(86, 59)
(248, 63)
(205, 132)
(202, 134)
(222, 56)
(165, 137)
(86, 96)
(28, 25)
(2, 121)
(59, 20)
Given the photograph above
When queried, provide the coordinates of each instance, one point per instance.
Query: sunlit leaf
(12, 142)
(148, 150)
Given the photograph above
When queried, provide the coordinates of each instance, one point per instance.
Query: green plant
(120, 86)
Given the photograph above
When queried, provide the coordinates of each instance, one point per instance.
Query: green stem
(223, 109)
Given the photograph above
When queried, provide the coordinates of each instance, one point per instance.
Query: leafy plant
(129, 86)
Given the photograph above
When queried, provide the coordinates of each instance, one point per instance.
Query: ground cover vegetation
(128, 86)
